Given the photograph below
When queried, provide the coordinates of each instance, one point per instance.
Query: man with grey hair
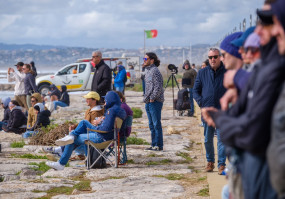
(102, 78)
(208, 89)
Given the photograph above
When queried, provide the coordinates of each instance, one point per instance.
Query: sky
(121, 23)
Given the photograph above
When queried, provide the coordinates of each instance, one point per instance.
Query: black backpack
(182, 103)
(94, 154)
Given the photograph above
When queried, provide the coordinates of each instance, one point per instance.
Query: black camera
(173, 68)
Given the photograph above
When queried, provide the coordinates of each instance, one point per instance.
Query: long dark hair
(30, 69)
(153, 56)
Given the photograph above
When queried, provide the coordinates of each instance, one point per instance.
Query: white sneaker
(69, 139)
(55, 165)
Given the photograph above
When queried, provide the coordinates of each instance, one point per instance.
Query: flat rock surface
(175, 172)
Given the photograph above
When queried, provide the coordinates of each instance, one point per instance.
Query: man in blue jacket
(208, 89)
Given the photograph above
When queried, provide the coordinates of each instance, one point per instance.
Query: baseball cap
(240, 41)
(20, 64)
(92, 94)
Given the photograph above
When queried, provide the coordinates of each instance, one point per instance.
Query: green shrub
(204, 192)
(137, 87)
(137, 112)
(136, 141)
(18, 144)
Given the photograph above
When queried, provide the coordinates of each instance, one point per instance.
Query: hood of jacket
(63, 88)
(52, 87)
(42, 107)
(120, 67)
(111, 99)
(17, 108)
(186, 63)
(45, 113)
(38, 97)
(6, 101)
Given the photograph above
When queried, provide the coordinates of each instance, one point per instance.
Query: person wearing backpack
(188, 80)
(121, 77)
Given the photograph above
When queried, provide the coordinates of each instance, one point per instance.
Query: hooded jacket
(16, 118)
(189, 76)
(64, 95)
(208, 87)
(92, 113)
(102, 79)
(247, 124)
(120, 77)
(6, 101)
(31, 115)
(30, 84)
(113, 110)
(42, 118)
(54, 91)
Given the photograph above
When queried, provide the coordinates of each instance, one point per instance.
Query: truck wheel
(44, 89)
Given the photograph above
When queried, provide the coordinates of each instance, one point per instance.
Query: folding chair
(103, 148)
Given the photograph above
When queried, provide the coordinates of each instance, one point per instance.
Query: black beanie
(37, 108)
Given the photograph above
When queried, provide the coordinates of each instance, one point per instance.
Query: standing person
(119, 81)
(30, 83)
(208, 89)
(188, 80)
(64, 98)
(154, 98)
(102, 79)
(18, 77)
(32, 63)
(5, 104)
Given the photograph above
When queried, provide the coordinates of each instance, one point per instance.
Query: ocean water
(6, 94)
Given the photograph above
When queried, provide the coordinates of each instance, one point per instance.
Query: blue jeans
(59, 103)
(78, 141)
(191, 101)
(121, 89)
(29, 134)
(209, 145)
(153, 111)
(1, 123)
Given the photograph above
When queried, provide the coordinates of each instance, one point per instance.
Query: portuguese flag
(151, 33)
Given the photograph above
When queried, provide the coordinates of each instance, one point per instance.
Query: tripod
(173, 78)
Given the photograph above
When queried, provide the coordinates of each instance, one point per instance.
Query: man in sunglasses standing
(102, 79)
(208, 89)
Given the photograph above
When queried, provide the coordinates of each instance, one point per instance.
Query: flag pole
(143, 42)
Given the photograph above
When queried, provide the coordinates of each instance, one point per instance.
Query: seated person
(49, 104)
(54, 93)
(16, 118)
(32, 118)
(42, 120)
(64, 98)
(5, 104)
(126, 128)
(79, 135)
(74, 71)
(95, 111)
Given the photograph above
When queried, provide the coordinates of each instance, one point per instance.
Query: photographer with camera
(188, 80)
(154, 98)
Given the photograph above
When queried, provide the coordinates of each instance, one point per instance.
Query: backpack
(182, 103)
(94, 154)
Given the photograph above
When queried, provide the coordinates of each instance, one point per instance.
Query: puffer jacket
(16, 118)
(120, 77)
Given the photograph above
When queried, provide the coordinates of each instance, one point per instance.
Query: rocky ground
(176, 172)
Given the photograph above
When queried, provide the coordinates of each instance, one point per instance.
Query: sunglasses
(215, 57)
(252, 50)
(95, 56)
(145, 59)
(33, 100)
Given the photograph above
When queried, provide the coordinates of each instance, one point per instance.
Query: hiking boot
(69, 139)
(149, 148)
(210, 167)
(221, 169)
(55, 165)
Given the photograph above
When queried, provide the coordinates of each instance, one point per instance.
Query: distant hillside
(54, 57)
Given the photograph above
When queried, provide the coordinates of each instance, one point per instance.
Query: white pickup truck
(77, 76)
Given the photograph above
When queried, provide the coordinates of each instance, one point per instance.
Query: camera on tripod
(173, 68)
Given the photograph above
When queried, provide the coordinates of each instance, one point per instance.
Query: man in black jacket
(102, 78)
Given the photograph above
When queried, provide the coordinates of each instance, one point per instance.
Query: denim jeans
(1, 123)
(121, 89)
(59, 103)
(209, 145)
(191, 101)
(153, 111)
(28, 134)
(78, 141)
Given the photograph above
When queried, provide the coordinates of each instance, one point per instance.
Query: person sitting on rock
(42, 120)
(32, 118)
(5, 104)
(64, 98)
(79, 135)
(54, 93)
(95, 111)
(16, 118)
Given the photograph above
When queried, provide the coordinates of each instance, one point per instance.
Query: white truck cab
(77, 76)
